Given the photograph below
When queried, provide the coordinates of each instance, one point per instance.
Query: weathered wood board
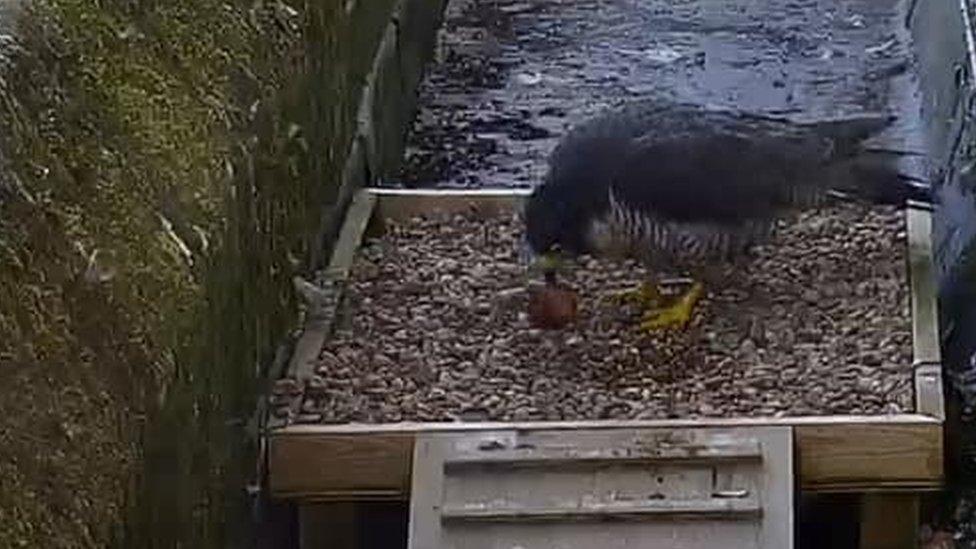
(687, 489)
(833, 454)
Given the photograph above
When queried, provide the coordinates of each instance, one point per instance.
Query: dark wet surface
(513, 75)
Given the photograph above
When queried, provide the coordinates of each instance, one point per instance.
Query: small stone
(872, 359)
(384, 362)
(287, 386)
(316, 386)
(308, 418)
(748, 347)
(631, 393)
(280, 411)
(475, 414)
(397, 384)
(328, 362)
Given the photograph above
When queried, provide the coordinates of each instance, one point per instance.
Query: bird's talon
(658, 319)
(676, 315)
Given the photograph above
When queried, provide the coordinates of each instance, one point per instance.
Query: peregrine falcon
(692, 186)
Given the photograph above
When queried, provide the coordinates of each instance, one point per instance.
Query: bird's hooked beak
(547, 264)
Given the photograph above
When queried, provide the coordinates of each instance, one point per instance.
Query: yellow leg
(675, 315)
(646, 296)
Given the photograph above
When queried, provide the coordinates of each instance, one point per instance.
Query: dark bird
(692, 186)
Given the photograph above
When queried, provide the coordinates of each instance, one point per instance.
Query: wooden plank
(781, 470)
(390, 123)
(365, 125)
(318, 467)
(359, 495)
(506, 194)
(925, 319)
(323, 306)
(318, 324)
(679, 505)
(889, 521)
(838, 457)
(357, 219)
(661, 477)
(447, 427)
(567, 456)
(424, 523)
(403, 204)
(354, 177)
(648, 509)
(929, 395)
(834, 453)
(927, 356)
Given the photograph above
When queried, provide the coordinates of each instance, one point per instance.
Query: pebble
(287, 387)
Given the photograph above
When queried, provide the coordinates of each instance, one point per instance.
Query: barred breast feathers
(637, 232)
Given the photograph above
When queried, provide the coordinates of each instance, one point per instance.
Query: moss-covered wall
(164, 168)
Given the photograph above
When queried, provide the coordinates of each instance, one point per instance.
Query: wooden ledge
(834, 453)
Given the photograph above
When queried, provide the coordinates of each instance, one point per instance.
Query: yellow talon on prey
(676, 315)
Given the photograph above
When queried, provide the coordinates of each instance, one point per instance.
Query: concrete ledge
(834, 453)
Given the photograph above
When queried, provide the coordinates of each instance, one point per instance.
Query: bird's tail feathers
(892, 152)
(848, 134)
(879, 182)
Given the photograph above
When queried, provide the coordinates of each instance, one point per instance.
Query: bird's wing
(847, 135)
(721, 177)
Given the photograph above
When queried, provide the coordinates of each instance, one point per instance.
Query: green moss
(162, 176)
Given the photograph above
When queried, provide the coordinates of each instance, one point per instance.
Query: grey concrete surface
(514, 74)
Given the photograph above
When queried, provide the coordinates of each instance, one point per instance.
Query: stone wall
(167, 168)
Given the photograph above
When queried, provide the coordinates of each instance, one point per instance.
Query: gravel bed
(435, 328)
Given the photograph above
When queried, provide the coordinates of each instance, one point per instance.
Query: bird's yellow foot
(678, 314)
(646, 296)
